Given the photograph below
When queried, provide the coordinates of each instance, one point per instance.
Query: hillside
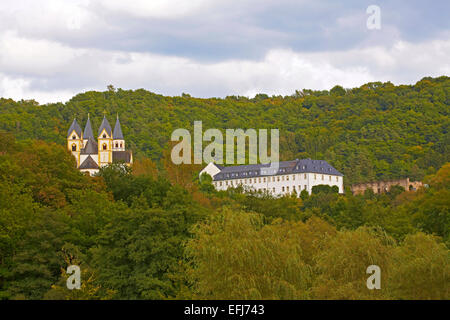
(378, 131)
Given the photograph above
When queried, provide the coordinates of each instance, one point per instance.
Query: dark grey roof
(91, 147)
(117, 130)
(74, 126)
(121, 156)
(285, 167)
(88, 163)
(88, 130)
(105, 125)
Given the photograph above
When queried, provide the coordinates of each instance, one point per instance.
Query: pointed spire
(88, 129)
(105, 125)
(74, 126)
(117, 130)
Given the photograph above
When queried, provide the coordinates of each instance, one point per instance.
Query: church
(90, 154)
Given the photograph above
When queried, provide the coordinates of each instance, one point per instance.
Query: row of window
(267, 172)
(270, 179)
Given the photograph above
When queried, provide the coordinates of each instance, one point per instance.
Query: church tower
(118, 140)
(75, 140)
(105, 142)
(87, 132)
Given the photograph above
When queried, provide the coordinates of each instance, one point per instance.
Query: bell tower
(105, 143)
(75, 140)
(118, 140)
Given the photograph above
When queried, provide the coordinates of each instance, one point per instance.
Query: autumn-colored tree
(146, 167)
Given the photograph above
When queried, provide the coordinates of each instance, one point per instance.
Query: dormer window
(104, 135)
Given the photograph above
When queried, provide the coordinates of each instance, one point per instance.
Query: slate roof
(88, 130)
(121, 156)
(91, 147)
(74, 126)
(88, 163)
(285, 167)
(117, 130)
(105, 125)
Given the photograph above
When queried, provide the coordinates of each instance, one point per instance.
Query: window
(293, 177)
(287, 178)
(104, 135)
(299, 188)
(293, 188)
(264, 179)
(305, 187)
(259, 180)
(273, 190)
(220, 183)
(278, 178)
(330, 178)
(337, 178)
(287, 189)
(121, 144)
(282, 189)
(74, 137)
(322, 177)
(273, 179)
(226, 182)
(74, 147)
(117, 145)
(282, 178)
(104, 146)
(304, 176)
(254, 180)
(315, 177)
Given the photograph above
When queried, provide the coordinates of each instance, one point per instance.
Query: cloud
(56, 72)
(54, 49)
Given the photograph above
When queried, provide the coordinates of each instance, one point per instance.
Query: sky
(51, 50)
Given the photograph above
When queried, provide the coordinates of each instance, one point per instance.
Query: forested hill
(376, 131)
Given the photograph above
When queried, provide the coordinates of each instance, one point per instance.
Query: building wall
(283, 184)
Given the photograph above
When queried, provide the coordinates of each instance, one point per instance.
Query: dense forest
(156, 231)
(375, 132)
(147, 233)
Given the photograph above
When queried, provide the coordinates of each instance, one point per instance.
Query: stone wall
(384, 186)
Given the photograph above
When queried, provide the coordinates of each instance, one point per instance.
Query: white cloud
(19, 88)
(168, 9)
(49, 71)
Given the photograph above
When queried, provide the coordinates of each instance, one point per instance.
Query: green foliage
(324, 188)
(157, 231)
(375, 132)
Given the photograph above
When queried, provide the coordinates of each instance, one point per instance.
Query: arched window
(104, 146)
(104, 135)
(117, 145)
(74, 137)
(121, 144)
(74, 147)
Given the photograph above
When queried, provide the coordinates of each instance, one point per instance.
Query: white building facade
(291, 177)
